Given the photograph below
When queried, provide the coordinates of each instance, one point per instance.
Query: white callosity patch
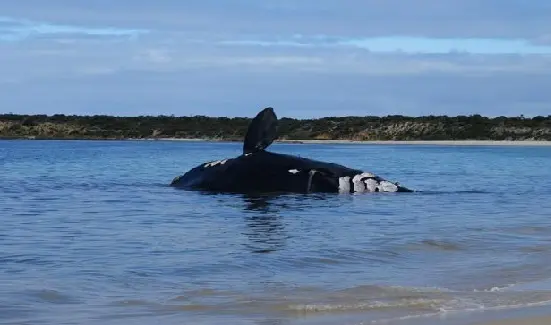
(293, 171)
(344, 184)
(371, 185)
(366, 174)
(214, 163)
(359, 186)
(366, 182)
(386, 186)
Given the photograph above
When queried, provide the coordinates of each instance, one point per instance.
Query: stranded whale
(258, 171)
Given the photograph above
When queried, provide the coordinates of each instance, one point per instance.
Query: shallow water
(92, 234)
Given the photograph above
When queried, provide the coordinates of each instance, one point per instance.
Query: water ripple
(91, 233)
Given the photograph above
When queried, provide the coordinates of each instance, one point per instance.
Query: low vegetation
(474, 127)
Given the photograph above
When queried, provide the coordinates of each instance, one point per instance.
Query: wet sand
(535, 315)
(521, 321)
(517, 320)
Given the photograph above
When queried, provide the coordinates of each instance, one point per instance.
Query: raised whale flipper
(261, 132)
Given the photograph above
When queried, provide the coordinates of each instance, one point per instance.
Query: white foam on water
(407, 303)
(496, 288)
(461, 306)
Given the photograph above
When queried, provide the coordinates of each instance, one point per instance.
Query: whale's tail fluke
(261, 132)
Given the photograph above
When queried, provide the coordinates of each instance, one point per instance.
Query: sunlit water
(90, 233)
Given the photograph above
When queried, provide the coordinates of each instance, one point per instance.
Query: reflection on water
(265, 227)
(264, 217)
(260, 203)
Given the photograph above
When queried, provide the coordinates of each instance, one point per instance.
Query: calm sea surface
(90, 233)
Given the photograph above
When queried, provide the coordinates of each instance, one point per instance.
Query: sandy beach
(527, 315)
(435, 142)
(521, 321)
(393, 142)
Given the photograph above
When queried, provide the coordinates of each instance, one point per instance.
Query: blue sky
(304, 58)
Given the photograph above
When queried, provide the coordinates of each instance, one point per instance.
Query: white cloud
(93, 77)
(16, 29)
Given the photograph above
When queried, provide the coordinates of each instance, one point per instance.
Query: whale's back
(264, 171)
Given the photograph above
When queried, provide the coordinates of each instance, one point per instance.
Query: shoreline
(389, 142)
(525, 315)
(435, 142)
(529, 314)
(313, 141)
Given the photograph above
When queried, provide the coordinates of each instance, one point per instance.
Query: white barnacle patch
(293, 171)
(214, 163)
(344, 184)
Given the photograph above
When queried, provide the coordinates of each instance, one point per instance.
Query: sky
(305, 58)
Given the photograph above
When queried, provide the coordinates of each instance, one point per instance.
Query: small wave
(488, 299)
(530, 230)
(435, 244)
(131, 303)
(476, 308)
(390, 289)
(430, 192)
(26, 259)
(376, 303)
(536, 249)
(376, 298)
(202, 293)
(495, 288)
(52, 297)
(418, 304)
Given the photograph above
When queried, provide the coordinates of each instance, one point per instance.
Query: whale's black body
(258, 171)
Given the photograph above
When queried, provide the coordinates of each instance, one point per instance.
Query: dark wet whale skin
(264, 172)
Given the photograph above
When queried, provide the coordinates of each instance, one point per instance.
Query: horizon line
(521, 116)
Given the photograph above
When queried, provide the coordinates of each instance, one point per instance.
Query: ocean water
(91, 233)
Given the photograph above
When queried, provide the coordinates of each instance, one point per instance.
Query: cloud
(12, 29)
(241, 92)
(352, 18)
(410, 44)
(149, 77)
(305, 58)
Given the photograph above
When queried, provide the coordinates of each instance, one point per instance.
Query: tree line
(392, 127)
